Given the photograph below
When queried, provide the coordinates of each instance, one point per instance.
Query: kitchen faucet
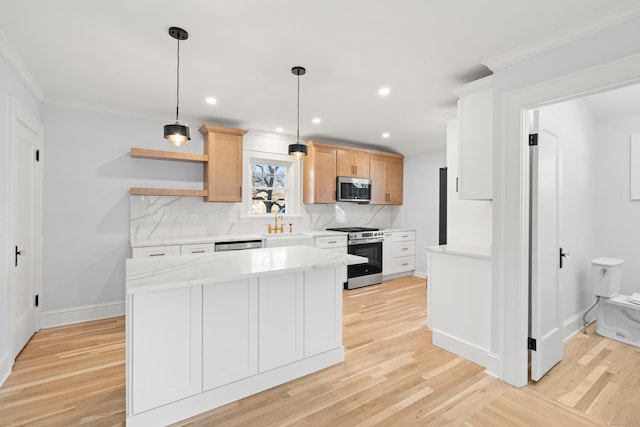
(275, 229)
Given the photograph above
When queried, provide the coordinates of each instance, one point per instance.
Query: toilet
(617, 316)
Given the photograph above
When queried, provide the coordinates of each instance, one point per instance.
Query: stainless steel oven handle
(365, 241)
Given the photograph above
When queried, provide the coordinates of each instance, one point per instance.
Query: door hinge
(37, 155)
(37, 300)
(531, 344)
(533, 139)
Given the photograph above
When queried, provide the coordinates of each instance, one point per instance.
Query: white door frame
(513, 253)
(19, 112)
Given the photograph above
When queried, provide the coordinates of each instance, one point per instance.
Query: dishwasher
(237, 245)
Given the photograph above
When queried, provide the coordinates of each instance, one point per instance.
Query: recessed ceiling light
(211, 100)
(316, 121)
(384, 91)
(279, 130)
(386, 135)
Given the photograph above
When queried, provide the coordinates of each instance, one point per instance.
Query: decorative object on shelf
(299, 149)
(177, 133)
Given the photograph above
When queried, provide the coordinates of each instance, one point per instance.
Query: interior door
(545, 323)
(25, 229)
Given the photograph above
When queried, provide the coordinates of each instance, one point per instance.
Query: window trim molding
(294, 185)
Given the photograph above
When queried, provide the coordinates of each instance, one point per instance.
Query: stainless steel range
(364, 242)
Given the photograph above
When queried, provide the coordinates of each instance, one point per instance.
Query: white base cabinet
(166, 361)
(398, 253)
(194, 348)
(229, 348)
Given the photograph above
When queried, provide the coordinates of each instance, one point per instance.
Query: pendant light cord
(298, 132)
(178, 82)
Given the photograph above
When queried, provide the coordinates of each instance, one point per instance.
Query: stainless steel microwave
(350, 189)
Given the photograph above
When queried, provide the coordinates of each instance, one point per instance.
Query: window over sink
(271, 185)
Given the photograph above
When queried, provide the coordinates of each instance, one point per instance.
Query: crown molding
(570, 34)
(16, 63)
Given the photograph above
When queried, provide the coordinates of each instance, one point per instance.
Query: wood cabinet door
(344, 165)
(223, 171)
(377, 173)
(352, 163)
(361, 163)
(320, 175)
(394, 173)
(229, 332)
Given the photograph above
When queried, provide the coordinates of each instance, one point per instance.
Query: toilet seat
(624, 301)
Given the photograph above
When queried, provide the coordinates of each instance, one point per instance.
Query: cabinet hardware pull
(331, 242)
(198, 252)
(405, 249)
(356, 166)
(157, 254)
(405, 263)
(240, 191)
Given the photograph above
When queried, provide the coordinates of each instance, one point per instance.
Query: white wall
(420, 208)
(576, 128)
(10, 86)
(618, 231)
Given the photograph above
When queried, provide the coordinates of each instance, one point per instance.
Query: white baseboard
(85, 313)
(571, 327)
(5, 367)
(463, 349)
(421, 274)
(493, 364)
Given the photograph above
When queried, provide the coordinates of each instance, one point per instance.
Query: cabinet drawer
(404, 236)
(155, 251)
(199, 248)
(405, 263)
(331, 242)
(404, 248)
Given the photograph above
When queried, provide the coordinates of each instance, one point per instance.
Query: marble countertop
(156, 273)
(463, 250)
(140, 243)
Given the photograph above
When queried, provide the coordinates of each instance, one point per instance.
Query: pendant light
(177, 133)
(299, 149)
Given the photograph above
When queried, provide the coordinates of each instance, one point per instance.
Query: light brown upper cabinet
(319, 174)
(386, 179)
(222, 166)
(223, 171)
(324, 162)
(352, 163)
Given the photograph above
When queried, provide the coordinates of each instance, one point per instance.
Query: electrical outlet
(194, 218)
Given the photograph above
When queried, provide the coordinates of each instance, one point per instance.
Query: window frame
(293, 184)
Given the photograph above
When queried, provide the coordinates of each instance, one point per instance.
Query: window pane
(268, 190)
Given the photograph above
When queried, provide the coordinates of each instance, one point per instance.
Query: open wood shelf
(140, 191)
(168, 155)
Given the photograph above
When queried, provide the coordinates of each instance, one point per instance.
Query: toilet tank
(605, 276)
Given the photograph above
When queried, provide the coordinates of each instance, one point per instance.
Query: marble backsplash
(158, 218)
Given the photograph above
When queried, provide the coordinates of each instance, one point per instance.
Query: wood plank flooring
(392, 376)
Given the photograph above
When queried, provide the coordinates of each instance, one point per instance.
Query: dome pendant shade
(177, 134)
(298, 150)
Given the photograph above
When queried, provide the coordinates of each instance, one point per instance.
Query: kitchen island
(205, 330)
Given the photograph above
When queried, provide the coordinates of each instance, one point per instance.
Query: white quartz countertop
(463, 250)
(139, 243)
(156, 273)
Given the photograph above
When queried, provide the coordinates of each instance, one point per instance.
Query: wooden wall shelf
(141, 191)
(168, 155)
(222, 166)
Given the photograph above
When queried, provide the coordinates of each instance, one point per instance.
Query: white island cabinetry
(206, 330)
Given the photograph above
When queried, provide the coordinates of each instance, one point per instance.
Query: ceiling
(118, 55)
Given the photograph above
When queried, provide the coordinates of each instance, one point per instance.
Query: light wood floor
(392, 376)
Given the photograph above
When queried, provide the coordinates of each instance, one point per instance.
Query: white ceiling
(117, 54)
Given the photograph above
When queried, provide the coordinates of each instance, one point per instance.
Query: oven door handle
(365, 241)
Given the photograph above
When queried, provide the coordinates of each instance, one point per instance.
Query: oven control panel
(366, 235)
